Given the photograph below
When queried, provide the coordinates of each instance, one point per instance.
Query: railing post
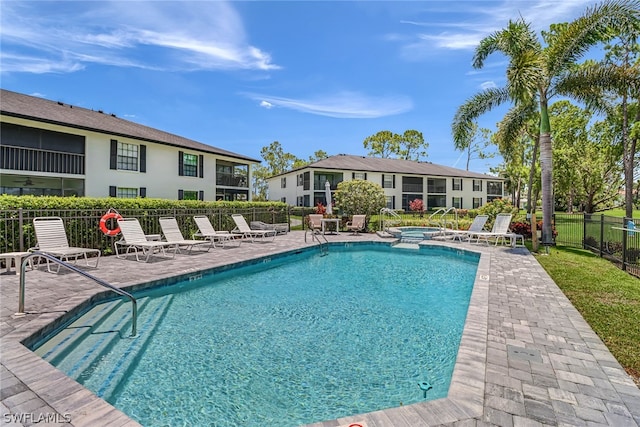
(624, 243)
(601, 234)
(21, 231)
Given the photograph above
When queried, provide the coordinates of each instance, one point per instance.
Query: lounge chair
(499, 233)
(172, 234)
(134, 239)
(52, 240)
(243, 229)
(207, 232)
(357, 224)
(280, 228)
(477, 225)
(315, 225)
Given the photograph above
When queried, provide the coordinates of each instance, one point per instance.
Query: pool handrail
(393, 214)
(23, 268)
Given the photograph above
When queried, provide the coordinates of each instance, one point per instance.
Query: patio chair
(357, 224)
(243, 229)
(477, 225)
(134, 239)
(499, 233)
(52, 240)
(315, 225)
(207, 232)
(172, 234)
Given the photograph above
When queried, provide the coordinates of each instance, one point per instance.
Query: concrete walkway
(527, 357)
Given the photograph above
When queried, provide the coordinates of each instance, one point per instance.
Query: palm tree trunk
(630, 146)
(531, 198)
(546, 169)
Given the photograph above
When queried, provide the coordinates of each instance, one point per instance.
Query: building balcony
(29, 159)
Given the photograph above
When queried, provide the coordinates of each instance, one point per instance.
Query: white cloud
(64, 36)
(476, 20)
(350, 105)
(266, 104)
(488, 85)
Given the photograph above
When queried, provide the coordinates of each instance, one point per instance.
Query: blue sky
(312, 75)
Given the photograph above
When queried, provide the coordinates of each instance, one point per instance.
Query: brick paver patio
(527, 357)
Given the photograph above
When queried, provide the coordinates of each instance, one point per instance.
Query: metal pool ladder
(134, 304)
(324, 246)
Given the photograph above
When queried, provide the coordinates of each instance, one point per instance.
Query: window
(127, 157)
(457, 184)
(300, 180)
(283, 199)
(126, 193)
(306, 183)
(390, 202)
(434, 202)
(190, 195)
(299, 201)
(190, 166)
(456, 202)
(283, 182)
(477, 202)
(494, 188)
(388, 181)
(477, 185)
(359, 175)
(437, 185)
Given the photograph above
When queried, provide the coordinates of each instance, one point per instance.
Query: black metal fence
(613, 238)
(82, 226)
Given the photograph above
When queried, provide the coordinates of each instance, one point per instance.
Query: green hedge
(82, 215)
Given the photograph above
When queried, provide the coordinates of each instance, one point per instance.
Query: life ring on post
(103, 223)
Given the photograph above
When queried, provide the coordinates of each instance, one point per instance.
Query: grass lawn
(607, 297)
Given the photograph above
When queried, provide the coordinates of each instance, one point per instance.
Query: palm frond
(512, 41)
(474, 107)
(596, 84)
(598, 24)
(516, 122)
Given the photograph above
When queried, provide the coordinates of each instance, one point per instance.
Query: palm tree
(536, 74)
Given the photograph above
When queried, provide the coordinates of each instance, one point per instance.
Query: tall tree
(386, 144)
(537, 73)
(585, 156)
(412, 145)
(383, 144)
(477, 146)
(277, 161)
(622, 60)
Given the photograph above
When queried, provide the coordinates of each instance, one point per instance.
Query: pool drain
(425, 386)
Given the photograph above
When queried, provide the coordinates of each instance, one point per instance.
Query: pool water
(280, 343)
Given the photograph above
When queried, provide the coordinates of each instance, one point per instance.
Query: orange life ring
(103, 223)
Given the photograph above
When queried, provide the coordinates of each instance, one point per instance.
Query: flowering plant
(416, 205)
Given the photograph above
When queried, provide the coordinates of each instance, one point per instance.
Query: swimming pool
(279, 343)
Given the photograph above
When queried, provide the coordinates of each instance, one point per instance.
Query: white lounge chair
(357, 224)
(52, 240)
(172, 234)
(243, 229)
(206, 231)
(477, 225)
(134, 239)
(499, 233)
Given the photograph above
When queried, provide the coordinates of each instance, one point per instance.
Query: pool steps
(104, 331)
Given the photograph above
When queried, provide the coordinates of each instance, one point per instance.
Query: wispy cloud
(342, 105)
(155, 35)
(475, 20)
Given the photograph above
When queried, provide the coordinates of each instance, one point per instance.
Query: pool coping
(578, 374)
